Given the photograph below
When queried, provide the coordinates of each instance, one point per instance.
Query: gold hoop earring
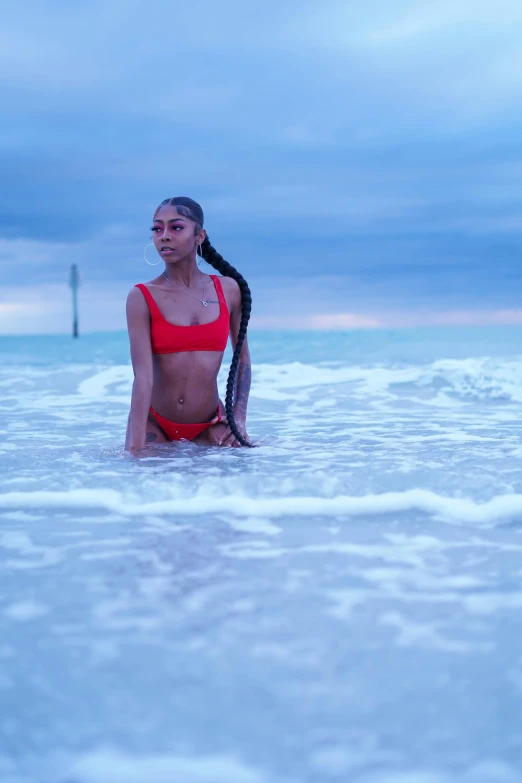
(145, 255)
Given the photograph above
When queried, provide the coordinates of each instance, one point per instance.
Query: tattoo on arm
(151, 437)
(243, 380)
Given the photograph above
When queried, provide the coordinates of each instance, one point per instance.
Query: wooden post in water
(74, 282)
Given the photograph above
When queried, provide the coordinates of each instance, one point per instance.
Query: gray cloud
(378, 145)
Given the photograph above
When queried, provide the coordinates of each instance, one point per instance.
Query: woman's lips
(167, 250)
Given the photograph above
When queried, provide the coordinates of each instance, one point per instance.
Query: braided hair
(192, 210)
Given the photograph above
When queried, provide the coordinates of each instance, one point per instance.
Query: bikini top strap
(219, 292)
(153, 307)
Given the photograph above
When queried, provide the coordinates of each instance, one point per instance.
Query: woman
(178, 328)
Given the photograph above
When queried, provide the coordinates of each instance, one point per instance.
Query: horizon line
(294, 330)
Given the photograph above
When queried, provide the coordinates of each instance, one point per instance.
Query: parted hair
(192, 210)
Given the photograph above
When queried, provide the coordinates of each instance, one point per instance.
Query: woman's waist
(185, 374)
(186, 390)
(184, 408)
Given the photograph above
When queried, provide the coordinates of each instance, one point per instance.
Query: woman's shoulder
(136, 296)
(229, 285)
(137, 289)
(231, 292)
(150, 283)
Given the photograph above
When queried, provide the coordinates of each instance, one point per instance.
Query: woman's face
(173, 234)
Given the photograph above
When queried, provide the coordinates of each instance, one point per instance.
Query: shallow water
(342, 603)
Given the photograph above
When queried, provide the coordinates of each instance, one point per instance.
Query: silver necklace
(204, 302)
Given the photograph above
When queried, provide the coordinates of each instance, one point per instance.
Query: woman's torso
(188, 341)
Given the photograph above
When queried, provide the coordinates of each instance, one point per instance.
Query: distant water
(343, 603)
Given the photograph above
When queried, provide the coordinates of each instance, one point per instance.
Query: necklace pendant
(204, 303)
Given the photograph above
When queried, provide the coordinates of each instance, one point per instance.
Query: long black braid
(192, 210)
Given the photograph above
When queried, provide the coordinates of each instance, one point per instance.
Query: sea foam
(449, 509)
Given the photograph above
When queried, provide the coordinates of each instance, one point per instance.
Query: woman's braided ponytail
(192, 210)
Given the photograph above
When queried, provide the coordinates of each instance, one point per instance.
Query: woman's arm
(242, 385)
(138, 323)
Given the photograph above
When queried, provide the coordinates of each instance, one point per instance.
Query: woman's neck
(184, 273)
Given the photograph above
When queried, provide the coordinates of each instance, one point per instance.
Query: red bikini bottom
(175, 431)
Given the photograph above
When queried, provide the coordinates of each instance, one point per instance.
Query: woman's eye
(158, 228)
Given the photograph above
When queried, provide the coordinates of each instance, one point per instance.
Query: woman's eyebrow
(172, 220)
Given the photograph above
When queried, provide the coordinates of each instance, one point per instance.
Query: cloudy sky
(359, 163)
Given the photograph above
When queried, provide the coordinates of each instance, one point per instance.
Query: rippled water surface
(342, 603)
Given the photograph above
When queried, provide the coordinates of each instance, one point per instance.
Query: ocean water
(342, 603)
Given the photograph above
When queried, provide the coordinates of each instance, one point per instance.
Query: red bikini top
(171, 338)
